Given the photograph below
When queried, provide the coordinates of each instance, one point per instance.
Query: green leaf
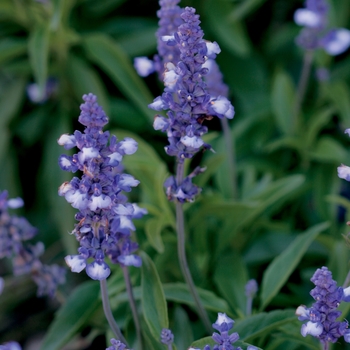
(85, 80)
(179, 292)
(231, 35)
(263, 323)
(329, 150)
(282, 99)
(112, 59)
(154, 305)
(11, 48)
(338, 92)
(182, 328)
(283, 265)
(11, 100)
(153, 229)
(38, 47)
(242, 10)
(72, 316)
(233, 288)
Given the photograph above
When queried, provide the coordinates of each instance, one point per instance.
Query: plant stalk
(304, 78)
(133, 305)
(231, 158)
(180, 226)
(108, 313)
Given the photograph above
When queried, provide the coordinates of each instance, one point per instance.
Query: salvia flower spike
(321, 316)
(105, 217)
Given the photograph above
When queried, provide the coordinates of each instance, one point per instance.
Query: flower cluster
(117, 345)
(224, 340)
(322, 315)
(167, 337)
(10, 346)
(14, 231)
(316, 33)
(169, 21)
(185, 97)
(105, 217)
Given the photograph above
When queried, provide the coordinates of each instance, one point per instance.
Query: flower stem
(326, 346)
(304, 77)
(180, 226)
(133, 305)
(249, 306)
(347, 280)
(231, 159)
(108, 313)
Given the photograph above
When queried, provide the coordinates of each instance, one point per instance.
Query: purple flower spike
(322, 315)
(104, 218)
(186, 98)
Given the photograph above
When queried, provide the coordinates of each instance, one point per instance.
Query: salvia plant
(204, 208)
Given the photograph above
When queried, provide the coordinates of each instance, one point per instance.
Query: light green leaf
(38, 47)
(153, 229)
(72, 316)
(282, 99)
(85, 80)
(283, 265)
(112, 59)
(154, 305)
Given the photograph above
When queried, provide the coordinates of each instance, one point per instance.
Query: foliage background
(286, 171)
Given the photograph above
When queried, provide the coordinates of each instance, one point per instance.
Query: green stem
(347, 280)
(231, 158)
(304, 78)
(108, 313)
(249, 306)
(133, 305)
(180, 226)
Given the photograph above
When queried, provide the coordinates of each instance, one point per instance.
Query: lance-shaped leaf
(284, 264)
(154, 305)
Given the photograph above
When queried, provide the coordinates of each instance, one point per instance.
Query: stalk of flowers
(315, 35)
(188, 104)
(224, 340)
(322, 315)
(170, 19)
(14, 232)
(104, 218)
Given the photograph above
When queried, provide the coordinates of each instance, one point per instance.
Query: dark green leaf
(11, 48)
(230, 35)
(282, 99)
(38, 47)
(72, 316)
(85, 80)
